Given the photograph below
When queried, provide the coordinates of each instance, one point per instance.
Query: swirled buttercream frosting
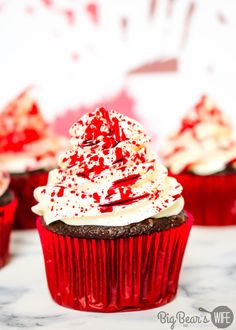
(110, 176)
(26, 141)
(204, 143)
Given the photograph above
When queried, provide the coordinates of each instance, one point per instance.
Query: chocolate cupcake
(201, 155)
(113, 229)
(28, 149)
(7, 209)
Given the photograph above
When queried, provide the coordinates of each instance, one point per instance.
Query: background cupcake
(28, 149)
(113, 224)
(7, 209)
(202, 157)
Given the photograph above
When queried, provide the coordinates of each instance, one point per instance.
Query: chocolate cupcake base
(145, 227)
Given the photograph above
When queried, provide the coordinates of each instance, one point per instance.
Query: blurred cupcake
(28, 150)
(113, 229)
(7, 209)
(201, 155)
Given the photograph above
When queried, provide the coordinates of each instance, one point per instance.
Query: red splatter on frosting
(20, 123)
(110, 168)
(204, 142)
(26, 141)
(203, 112)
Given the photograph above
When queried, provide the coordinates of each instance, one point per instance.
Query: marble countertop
(208, 280)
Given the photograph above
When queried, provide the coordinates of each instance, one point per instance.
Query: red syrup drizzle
(104, 131)
(109, 207)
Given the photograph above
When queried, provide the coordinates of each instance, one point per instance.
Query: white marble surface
(208, 279)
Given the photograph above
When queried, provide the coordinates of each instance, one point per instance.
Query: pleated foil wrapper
(23, 186)
(210, 199)
(6, 221)
(112, 275)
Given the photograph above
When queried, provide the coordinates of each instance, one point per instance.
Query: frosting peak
(204, 142)
(110, 176)
(99, 127)
(26, 141)
(21, 123)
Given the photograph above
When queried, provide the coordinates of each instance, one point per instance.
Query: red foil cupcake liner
(23, 185)
(211, 199)
(122, 274)
(6, 221)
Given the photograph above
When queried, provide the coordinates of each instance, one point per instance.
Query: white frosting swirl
(4, 182)
(204, 143)
(109, 177)
(26, 141)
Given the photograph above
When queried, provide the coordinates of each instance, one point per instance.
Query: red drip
(61, 192)
(175, 197)
(73, 160)
(105, 209)
(96, 197)
(188, 124)
(128, 181)
(119, 154)
(120, 202)
(34, 110)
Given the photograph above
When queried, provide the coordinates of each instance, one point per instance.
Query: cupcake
(7, 209)
(201, 155)
(28, 151)
(112, 227)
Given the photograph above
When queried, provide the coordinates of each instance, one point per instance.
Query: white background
(38, 44)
